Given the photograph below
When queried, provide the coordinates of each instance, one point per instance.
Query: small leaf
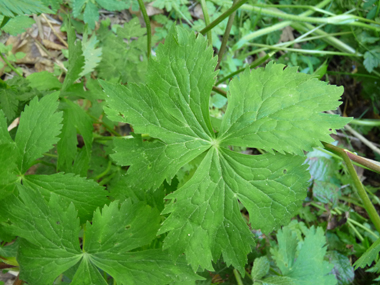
(44, 81)
(91, 15)
(260, 268)
(369, 256)
(371, 59)
(18, 25)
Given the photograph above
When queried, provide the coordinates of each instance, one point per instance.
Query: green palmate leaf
(369, 256)
(10, 8)
(86, 195)
(271, 109)
(38, 129)
(76, 59)
(75, 120)
(50, 244)
(293, 259)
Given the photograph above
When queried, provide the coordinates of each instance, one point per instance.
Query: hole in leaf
(330, 130)
(58, 222)
(128, 227)
(284, 171)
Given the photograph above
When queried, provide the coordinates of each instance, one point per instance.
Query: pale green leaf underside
(269, 109)
(50, 245)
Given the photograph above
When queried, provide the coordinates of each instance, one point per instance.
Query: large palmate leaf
(272, 108)
(49, 242)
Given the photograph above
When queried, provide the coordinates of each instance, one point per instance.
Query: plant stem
(97, 177)
(363, 139)
(10, 65)
(257, 62)
(219, 91)
(307, 51)
(356, 231)
(207, 20)
(147, 24)
(365, 122)
(225, 36)
(368, 206)
(362, 227)
(335, 20)
(222, 17)
(238, 278)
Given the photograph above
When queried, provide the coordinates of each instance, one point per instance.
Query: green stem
(225, 37)
(226, 14)
(362, 227)
(356, 231)
(368, 206)
(104, 173)
(352, 201)
(343, 19)
(51, 155)
(109, 128)
(257, 62)
(10, 65)
(307, 51)
(219, 91)
(238, 278)
(275, 27)
(147, 24)
(352, 75)
(365, 122)
(207, 21)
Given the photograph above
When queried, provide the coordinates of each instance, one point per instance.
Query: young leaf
(372, 59)
(205, 219)
(260, 268)
(91, 15)
(91, 54)
(50, 244)
(39, 127)
(76, 59)
(303, 269)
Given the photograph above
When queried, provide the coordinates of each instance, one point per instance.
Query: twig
(54, 31)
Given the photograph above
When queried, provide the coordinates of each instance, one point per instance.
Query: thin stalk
(109, 128)
(363, 139)
(237, 277)
(207, 20)
(219, 91)
(104, 173)
(362, 227)
(307, 51)
(147, 24)
(368, 206)
(226, 14)
(275, 27)
(51, 155)
(343, 19)
(355, 231)
(225, 37)
(366, 122)
(352, 201)
(257, 62)
(10, 65)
